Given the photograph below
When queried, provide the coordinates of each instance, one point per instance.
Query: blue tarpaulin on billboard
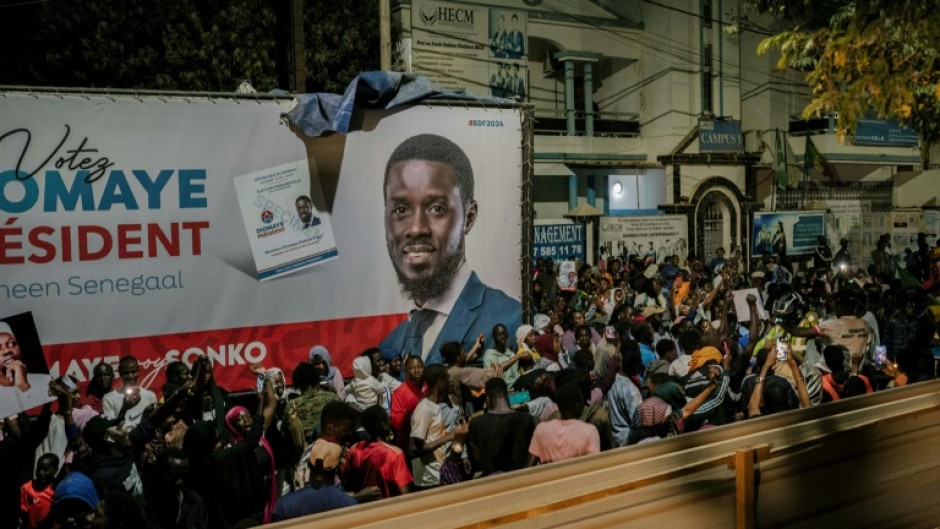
(317, 114)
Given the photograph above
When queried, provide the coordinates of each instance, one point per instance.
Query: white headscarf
(540, 321)
(521, 334)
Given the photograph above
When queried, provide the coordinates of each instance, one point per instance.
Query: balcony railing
(606, 124)
(800, 127)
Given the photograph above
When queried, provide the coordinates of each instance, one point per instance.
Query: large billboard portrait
(170, 228)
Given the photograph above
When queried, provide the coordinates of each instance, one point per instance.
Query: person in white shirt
(131, 399)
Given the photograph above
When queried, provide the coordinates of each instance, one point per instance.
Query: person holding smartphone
(846, 329)
(771, 393)
(130, 400)
(838, 383)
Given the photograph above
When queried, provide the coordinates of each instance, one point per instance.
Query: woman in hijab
(525, 338)
(239, 422)
(283, 395)
(279, 437)
(542, 323)
(321, 357)
(279, 381)
(548, 347)
(230, 480)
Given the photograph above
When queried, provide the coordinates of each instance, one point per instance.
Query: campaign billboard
(171, 227)
(788, 232)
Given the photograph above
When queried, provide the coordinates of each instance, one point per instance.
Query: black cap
(849, 294)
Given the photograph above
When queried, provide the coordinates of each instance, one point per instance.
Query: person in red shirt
(102, 382)
(376, 462)
(36, 495)
(406, 399)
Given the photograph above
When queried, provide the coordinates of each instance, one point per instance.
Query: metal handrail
(552, 493)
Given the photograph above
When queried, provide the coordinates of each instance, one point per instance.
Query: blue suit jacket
(478, 309)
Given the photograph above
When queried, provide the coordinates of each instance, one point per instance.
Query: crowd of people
(633, 351)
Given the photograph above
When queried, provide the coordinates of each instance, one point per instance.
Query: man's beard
(422, 289)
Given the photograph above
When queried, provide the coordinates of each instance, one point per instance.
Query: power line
(704, 18)
(24, 3)
(667, 47)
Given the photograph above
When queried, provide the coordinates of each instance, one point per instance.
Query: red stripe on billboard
(231, 350)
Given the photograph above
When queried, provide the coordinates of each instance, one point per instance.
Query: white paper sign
(567, 275)
(742, 308)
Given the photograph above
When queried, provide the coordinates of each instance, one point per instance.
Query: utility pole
(299, 69)
(385, 34)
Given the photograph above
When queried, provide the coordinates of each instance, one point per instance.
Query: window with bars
(713, 229)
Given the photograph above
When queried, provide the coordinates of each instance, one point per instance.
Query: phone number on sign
(565, 250)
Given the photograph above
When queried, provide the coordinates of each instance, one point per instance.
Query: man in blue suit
(429, 210)
(515, 40)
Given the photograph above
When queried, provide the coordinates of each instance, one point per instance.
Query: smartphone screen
(518, 398)
(881, 355)
(783, 349)
(67, 383)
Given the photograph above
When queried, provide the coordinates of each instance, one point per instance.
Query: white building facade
(620, 89)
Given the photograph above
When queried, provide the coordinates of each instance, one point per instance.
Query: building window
(707, 78)
(639, 194)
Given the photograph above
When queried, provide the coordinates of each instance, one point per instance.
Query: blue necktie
(418, 322)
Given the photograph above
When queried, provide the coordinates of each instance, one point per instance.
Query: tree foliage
(345, 38)
(198, 45)
(875, 56)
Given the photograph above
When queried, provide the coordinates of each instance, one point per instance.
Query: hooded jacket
(364, 390)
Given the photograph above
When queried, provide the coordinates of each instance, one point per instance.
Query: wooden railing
(871, 461)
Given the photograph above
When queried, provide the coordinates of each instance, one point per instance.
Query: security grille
(713, 229)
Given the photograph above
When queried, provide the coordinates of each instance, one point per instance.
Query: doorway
(716, 224)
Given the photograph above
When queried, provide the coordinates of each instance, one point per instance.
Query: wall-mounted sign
(789, 232)
(720, 135)
(654, 237)
(559, 241)
(882, 132)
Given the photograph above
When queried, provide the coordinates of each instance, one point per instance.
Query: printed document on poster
(286, 231)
